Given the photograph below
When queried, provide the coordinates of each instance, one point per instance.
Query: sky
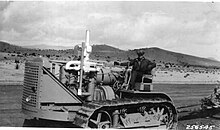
(187, 27)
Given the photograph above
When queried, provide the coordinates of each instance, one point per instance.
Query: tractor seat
(145, 84)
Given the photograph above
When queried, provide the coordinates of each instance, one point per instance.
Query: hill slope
(42, 46)
(106, 52)
(6, 47)
(104, 48)
(161, 56)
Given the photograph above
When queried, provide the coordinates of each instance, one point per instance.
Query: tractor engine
(93, 77)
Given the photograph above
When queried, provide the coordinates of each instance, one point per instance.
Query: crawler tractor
(90, 95)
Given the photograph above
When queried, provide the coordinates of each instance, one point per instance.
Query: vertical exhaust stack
(87, 36)
(88, 47)
(86, 50)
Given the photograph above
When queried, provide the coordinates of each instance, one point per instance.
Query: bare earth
(8, 73)
(11, 94)
(11, 115)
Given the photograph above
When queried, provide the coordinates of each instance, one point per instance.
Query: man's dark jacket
(142, 65)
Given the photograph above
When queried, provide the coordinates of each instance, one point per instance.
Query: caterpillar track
(128, 113)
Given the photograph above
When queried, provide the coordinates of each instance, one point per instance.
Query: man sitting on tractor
(140, 66)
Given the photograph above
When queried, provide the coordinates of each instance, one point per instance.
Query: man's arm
(126, 63)
(147, 66)
(151, 65)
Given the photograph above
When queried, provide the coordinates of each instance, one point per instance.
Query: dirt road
(10, 111)
(10, 105)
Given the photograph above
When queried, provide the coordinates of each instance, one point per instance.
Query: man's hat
(140, 52)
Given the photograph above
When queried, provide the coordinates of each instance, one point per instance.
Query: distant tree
(25, 54)
(19, 55)
(33, 54)
(48, 56)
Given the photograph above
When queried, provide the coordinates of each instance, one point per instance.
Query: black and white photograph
(110, 64)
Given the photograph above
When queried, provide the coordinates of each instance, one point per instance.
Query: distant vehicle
(213, 100)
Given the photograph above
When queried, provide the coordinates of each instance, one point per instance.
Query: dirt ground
(11, 115)
(8, 73)
(10, 105)
(11, 94)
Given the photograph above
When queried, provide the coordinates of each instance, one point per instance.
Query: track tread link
(87, 109)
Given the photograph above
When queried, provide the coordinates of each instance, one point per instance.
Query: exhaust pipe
(86, 50)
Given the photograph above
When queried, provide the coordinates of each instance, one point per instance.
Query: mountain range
(43, 46)
(106, 52)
